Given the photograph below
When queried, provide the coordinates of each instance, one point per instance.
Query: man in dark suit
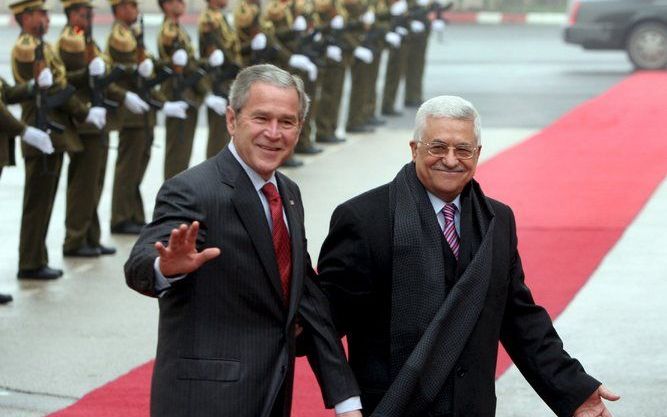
(226, 255)
(424, 277)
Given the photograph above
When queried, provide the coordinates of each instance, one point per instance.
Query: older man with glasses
(424, 277)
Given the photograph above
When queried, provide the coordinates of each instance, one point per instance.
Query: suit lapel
(296, 240)
(249, 209)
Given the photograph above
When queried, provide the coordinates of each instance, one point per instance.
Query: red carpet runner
(574, 187)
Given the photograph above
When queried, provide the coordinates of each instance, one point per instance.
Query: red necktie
(451, 236)
(281, 241)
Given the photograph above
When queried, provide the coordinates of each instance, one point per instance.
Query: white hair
(451, 107)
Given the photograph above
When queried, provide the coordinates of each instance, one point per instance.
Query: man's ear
(230, 116)
(413, 149)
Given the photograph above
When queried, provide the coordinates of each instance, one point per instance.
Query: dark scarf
(429, 328)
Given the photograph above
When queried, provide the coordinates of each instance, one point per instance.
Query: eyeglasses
(441, 149)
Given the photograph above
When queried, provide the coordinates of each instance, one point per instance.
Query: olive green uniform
(216, 33)
(416, 60)
(42, 171)
(360, 71)
(396, 65)
(135, 137)
(332, 73)
(10, 127)
(180, 133)
(381, 26)
(86, 170)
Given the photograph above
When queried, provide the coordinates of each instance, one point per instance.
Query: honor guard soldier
(86, 70)
(381, 37)
(421, 12)
(292, 32)
(54, 108)
(359, 23)
(329, 18)
(396, 61)
(187, 83)
(125, 47)
(10, 127)
(215, 33)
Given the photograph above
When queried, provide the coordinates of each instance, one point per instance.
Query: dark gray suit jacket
(226, 342)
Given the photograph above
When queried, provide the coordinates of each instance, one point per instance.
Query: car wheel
(647, 46)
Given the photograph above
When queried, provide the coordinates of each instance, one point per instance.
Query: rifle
(45, 102)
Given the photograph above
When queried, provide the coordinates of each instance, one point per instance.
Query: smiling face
(266, 129)
(445, 177)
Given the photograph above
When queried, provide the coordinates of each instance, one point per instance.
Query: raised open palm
(180, 256)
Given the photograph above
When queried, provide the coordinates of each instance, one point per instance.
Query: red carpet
(574, 187)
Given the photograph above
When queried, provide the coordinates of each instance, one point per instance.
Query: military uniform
(216, 33)
(10, 127)
(416, 57)
(41, 171)
(332, 74)
(396, 64)
(180, 133)
(360, 71)
(86, 170)
(135, 137)
(381, 27)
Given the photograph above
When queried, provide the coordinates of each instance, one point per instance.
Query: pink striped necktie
(451, 236)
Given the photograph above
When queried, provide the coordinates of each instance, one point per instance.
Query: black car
(637, 26)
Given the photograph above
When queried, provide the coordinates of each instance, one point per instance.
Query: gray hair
(269, 74)
(451, 107)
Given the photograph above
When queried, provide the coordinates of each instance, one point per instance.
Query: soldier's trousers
(180, 136)
(414, 72)
(85, 180)
(134, 152)
(333, 78)
(358, 93)
(305, 138)
(218, 136)
(396, 64)
(39, 192)
(374, 72)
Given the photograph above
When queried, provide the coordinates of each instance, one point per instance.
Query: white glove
(416, 26)
(402, 31)
(97, 67)
(422, 3)
(97, 116)
(393, 39)
(180, 58)
(175, 109)
(135, 104)
(216, 58)
(312, 71)
(363, 54)
(438, 25)
(258, 42)
(145, 69)
(398, 8)
(38, 138)
(300, 61)
(299, 24)
(368, 18)
(337, 22)
(318, 37)
(334, 53)
(216, 103)
(45, 78)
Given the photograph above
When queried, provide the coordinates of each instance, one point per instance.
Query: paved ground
(60, 340)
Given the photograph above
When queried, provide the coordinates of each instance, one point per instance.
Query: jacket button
(461, 372)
